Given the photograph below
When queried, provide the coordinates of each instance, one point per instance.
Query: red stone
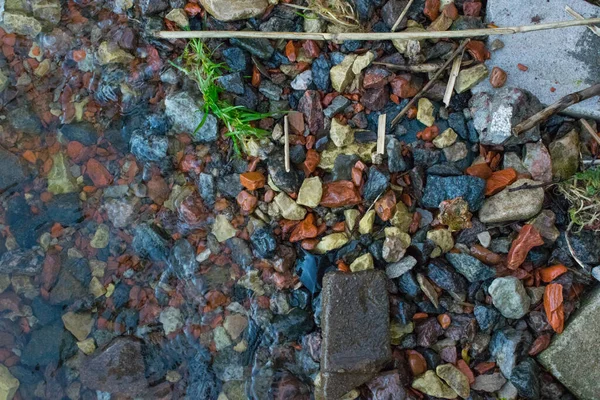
(158, 190)
(98, 173)
(252, 180)
(429, 133)
(305, 229)
(247, 202)
(481, 170)
(385, 207)
(540, 344)
(375, 99)
(296, 122)
(497, 77)
(450, 11)
(290, 51)
(478, 51)
(310, 106)
(406, 85)
(444, 320)
(553, 305)
(464, 368)
(472, 9)
(312, 161)
(527, 239)
(356, 176)
(417, 362)
(499, 180)
(432, 9)
(339, 194)
(311, 48)
(522, 67)
(376, 77)
(549, 274)
(484, 255)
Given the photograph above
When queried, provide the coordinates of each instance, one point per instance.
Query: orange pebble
(551, 273)
(444, 320)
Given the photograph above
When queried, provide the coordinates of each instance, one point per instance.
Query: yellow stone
(8, 384)
(362, 263)
(87, 346)
(331, 242)
(351, 217)
(97, 288)
(365, 226)
(79, 324)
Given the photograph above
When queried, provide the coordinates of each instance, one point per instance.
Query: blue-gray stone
(232, 83)
(438, 189)
(235, 59)
(261, 48)
(264, 242)
(320, 72)
(504, 347)
(470, 267)
(376, 183)
(525, 377)
(487, 317)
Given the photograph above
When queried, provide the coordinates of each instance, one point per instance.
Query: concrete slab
(566, 59)
(573, 356)
(355, 322)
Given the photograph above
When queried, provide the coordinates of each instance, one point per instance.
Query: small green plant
(199, 65)
(583, 193)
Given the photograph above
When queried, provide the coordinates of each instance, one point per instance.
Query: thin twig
(466, 33)
(381, 125)
(456, 53)
(571, 250)
(286, 138)
(452, 79)
(590, 130)
(560, 105)
(402, 14)
(527, 186)
(580, 17)
(429, 67)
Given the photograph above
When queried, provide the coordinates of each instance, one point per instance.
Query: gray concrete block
(573, 356)
(355, 323)
(566, 59)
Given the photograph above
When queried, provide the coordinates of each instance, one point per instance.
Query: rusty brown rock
(478, 51)
(385, 207)
(499, 180)
(296, 122)
(247, 202)
(498, 77)
(252, 180)
(527, 239)
(339, 194)
(406, 86)
(306, 229)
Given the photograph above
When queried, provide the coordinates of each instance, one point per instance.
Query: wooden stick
(452, 79)
(456, 53)
(580, 17)
(286, 138)
(466, 33)
(591, 131)
(560, 105)
(429, 67)
(381, 125)
(402, 14)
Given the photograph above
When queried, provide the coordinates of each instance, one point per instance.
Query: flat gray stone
(573, 355)
(355, 322)
(566, 59)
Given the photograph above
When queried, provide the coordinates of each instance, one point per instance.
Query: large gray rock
(233, 10)
(355, 322)
(570, 62)
(510, 205)
(495, 114)
(573, 355)
(182, 109)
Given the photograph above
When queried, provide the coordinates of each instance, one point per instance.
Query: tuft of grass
(199, 65)
(583, 193)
